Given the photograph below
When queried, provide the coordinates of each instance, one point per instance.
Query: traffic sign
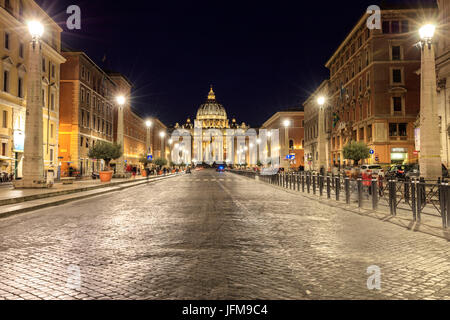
(372, 151)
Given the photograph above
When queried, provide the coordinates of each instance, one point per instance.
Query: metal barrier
(415, 196)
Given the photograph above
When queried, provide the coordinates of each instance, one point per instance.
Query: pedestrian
(134, 171)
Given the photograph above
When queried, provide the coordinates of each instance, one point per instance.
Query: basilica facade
(212, 136)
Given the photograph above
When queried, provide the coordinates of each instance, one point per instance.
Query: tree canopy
(356, 151)
(105, 151)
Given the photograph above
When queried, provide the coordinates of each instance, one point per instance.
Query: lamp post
(322, 144)
(162, 135)
(149, 125)
(286, 124)
(121, 100)
(33, 162)
(430, 140)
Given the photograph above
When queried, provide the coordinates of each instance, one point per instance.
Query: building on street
(443, 74)
(317, 130)
(375, 88)
(14, 46)
(291, 126)
(87, 109)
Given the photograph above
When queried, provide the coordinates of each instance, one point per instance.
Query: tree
(160, 162)
(145, 161)
(105, 151)
(356, 151)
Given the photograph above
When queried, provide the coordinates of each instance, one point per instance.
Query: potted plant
(160, 162)
(107, 152)
(145, 162)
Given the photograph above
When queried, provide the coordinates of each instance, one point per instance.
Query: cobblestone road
(213, 236)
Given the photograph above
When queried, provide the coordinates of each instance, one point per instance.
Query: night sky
(260, 56)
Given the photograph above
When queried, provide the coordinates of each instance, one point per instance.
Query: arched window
(291, 144)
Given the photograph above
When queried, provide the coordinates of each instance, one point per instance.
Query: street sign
(149, 157)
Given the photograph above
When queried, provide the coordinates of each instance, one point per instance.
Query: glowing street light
(321, 101)
(287, 123)
(148, 124)
(162, 134)
(36, 29)
(427, 32)
(120, 100)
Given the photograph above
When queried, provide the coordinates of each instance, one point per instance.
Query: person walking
(134, 172)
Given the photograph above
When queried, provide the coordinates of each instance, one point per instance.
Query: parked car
(399, 171)
(372, 169)
(415, 172)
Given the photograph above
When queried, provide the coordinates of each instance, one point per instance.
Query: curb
(18, 200)
(378, 215)
(114, 188)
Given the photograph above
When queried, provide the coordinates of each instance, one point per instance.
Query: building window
(82, 95)
(398, 130)
(82, 72)
(7, 40)
(52, 131)
(397, 104)
(402, 129)
(369, 133)
(43, 65)
(396, 53)
(21, 50)
(386, 27)
(4, 149)
(51, 155)
(405, 26)
(368, 79)
(94, 122)
(291, 144)
(5, 119)
(88, 119)
(81, 141)
(88, 99)
(6, 81)
(52, 101)
(395, 27)
(53, 70)
(20, 87)
(396, 75)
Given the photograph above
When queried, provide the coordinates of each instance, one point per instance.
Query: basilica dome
(211, 109)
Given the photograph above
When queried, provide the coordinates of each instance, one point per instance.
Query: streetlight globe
(286, 123)
(36, 29)
(120, 100)
(427, 31)
(321, 101)
(148, 123)
(170, 141)
(258, 141)
(162, 134)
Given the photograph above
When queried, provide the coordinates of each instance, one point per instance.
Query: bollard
(290, 180)
(413, 199)
(443, 203)
(347, 190)
(314, 183)
(447, 193)
(329, 187)
(308, 183)
(337, 188)
(321, 179)
(360, 192)
(303, 183)
(419, 200)
(374, 194)
(393, 197)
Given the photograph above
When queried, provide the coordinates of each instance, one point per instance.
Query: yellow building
(14, 41)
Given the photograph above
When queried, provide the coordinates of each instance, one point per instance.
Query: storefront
(399, 155)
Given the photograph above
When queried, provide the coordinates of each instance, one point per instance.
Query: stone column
(120, 172)
(322, 140)
(33, 163)
(430, 142)
(286, 151)
(148, 142)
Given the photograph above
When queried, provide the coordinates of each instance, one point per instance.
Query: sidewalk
(14, 201)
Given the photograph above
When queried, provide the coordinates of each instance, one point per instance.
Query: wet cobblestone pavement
(213, 236)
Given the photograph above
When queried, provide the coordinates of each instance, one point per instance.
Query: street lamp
(149, 125)
(33, 161)
(162, 135)
(322, 143)
(430, 140)
(287, 124)
(426, 33)
(120, 163)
